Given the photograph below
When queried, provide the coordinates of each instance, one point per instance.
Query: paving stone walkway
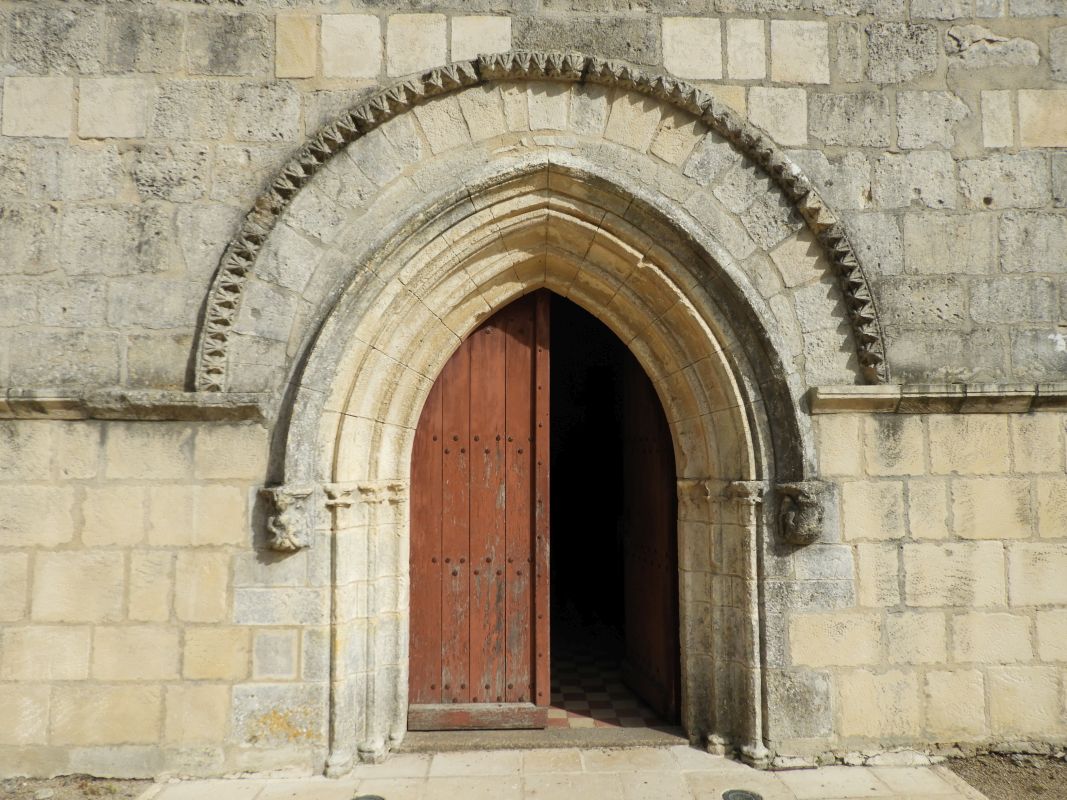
(674, 773)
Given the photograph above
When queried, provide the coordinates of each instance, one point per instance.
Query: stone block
(898, 52)
(746, 49)
(1037, 8)
(916, 638)
(991, 638)
(443, 123)
(858, 119)
(25, 450)
(1024, 701)
(38, 106)
(840, 444)
(1035, 574)
(94, 172)
(78, 586)
(879, 705)
(196, 715)
(171, 515)
(836, 639)
(893, 445)
(1014, 300)
(36, 515)
(148, 40)
(112, 108)
(57, 40)
(632, 121)
(44, 653)
(295, 46)
(956, 574)
(1005, 181)
(157, 360)
(955, 705)
(1043, 117)
(1057, 53)
(229, 44)
(279, 606)
(1052, 635)
(275, 654)
(929, 118)
(190, 109)
(877, 574)
(782, 113)
(998, 119)
(135, 653)
(201, 586)
(479, 34)
(942, 9)
(76, 358)
(73, 304)
(926, 178)
(268, 113)
(113, 515)
(77, 448)
(14, 586)
(279, 714)
(971, 444)
(928, 508)
(351, 46)
(175, 171)
(692, 47)
(800, 51)
(677, 136)
(972, 47)
(151, 586)
(415, 42)
(149, 450)
(100, 714)
(850, 46)
(1033, 242)
(216, 653)
(635, 39)
(25, 714)
(1059, 180)
(877, 240)
(1037, 354)
(1052, 508)
(28, 231)
(117, 240)
(800, 704)
(991, 508)
(231, 452)
(873, 510)
(945, 244)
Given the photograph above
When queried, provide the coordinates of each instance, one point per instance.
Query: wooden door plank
(424, 650)
(487, 550)
(542, 693)
(455, 529)
(518, 511)
(476, 716)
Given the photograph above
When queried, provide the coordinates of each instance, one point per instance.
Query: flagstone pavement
(644, 773)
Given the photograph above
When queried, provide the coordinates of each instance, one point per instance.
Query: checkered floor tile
(588, 692)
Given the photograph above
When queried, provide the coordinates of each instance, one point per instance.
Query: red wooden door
(650, 548)
(479, 531)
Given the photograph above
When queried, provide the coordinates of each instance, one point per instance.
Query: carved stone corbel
(292, 517)
(800, 511)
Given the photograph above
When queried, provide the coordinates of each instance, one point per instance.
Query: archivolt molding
(238, 260)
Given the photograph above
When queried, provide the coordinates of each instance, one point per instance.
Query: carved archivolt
(238, 261)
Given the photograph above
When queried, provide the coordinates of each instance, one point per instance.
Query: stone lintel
(940, 398)
(120, 404)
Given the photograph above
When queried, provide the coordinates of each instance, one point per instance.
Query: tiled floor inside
(588, 691)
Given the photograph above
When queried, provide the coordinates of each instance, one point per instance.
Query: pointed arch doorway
(526, 588)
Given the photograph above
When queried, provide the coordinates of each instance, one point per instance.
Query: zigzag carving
(238, 260)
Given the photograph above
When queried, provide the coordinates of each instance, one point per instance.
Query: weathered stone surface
(974, 47)
(78, 587)
(266, 113)
(916, 638)
(14, 586)
(112, 108)
(899, 51)
(415, 42)
(38, 106)
(991, 638)
(1042, 118)
(933, 302)
(295, 46)
(998, 125)
(479, 34)
(801, 703)
(849, 56)
(878, 705)
(1022, 700)
(961, 574)
(1059, 180)
(746, 49)
(838, 639)
(229, 44)
(873, 510)
(190, 109)
(1033, 242)
(635, 39)
(196, 714)
(351, 46)
(1057, 45)
(148, 40)
(279, 714)
(177, 172)
(57, 40)
(45, 653)
(1005, 181)
(955, 704)
(1012, 300)
(878, 241)
(858, 119)
(929, 118)
(1034, 573)
(783, 113)
(800, 51)
(27, 711)
(692, 47)
(119, 240)
(924, 178)
(945, 244)
(105, 714)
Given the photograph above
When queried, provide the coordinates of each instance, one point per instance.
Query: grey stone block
(856, 119)
(785, 597)
(850, 47)
(1006, 181)
(202, 231)
(82, 359)
(844, 181)
(1038, 354)
(1057, 48)
(925, 178)
(972, 47)
(899, 51)
(824, 562)
(941, 9)
(1059, 180)
(229, 44)
(922, 302)
(176, 172)
(121, 761)
(241, 172)
(144, 40)
(158, 360)
(279, 714)
(950, 243)
(855, 8)
(976, 355)
(72, 304)
(710, 159)
(878, 242)
(929, 118)
(1013, 300)
(54, 39)
(1033, 242)
(1038, 8)
(18, 304)
(191, 109)
(800, 704)
(119, 240)
(97, 174)
(28, 234)
(280, 606)
(267, 113)
(152, 303)
(634, 39)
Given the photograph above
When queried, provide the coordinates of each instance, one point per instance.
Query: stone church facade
(240, 241)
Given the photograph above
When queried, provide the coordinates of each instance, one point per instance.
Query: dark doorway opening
(613, 566)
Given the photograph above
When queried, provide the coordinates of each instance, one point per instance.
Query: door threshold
(589, 738)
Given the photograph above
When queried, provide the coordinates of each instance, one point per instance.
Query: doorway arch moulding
(239, 258)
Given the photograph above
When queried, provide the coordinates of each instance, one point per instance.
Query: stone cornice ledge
(940, 398)
(122, 404)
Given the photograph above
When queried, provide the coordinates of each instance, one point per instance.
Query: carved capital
(746, 492)
(292, 517)
(338, 496)
(800, 510)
